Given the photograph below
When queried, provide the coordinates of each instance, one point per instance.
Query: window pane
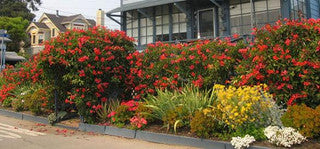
(143, 31)
(129, 33)
(158, 10)
(165, 29)
(135, 23)
(166, 19)
(182, 17)
(150, 39)
(143, 22)
(175, 18)
(143, 40)
(176, 28)
(183, 27)
(158, 20)
(274, 4)
(159, 30)
(150, 31)
(149, 22)
(260, 5)
(135, 32)
(246, 8)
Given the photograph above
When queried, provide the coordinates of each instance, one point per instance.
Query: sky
(88, 8)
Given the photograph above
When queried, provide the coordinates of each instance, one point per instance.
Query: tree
(16, 29)
(19, 8)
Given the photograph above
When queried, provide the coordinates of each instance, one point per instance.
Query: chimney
(57, 13)
(100, 17)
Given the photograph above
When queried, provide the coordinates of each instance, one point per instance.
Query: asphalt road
(18, 134)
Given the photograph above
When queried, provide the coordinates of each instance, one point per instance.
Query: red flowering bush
(286, 58)
(23, 74)
(138, 122)
(88, 67)
(170, 66)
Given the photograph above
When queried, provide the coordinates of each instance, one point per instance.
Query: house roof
(70, 18)
(41, 25)
(57, 20)
(142, 4)
(92, 22)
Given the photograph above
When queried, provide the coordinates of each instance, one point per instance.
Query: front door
(206, 23)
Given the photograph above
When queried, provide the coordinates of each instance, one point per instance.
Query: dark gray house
(149, 21)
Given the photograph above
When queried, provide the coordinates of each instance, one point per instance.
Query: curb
(132, 134)
(27, 117)
(159, 137)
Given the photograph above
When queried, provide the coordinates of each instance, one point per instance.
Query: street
(18, 134)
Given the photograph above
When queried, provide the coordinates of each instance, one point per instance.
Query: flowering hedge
(286, 58)
(25, 73)
(88, 67)
(171, 66)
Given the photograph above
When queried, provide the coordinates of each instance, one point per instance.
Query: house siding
(314, 9)
(230, 16)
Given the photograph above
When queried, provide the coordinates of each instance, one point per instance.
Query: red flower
(83, 59)
(287, 42)
(163, 57)
(191, 67)
(113, 113)
(81, 73)
(306, 83)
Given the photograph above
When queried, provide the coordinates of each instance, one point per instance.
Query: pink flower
(112, 114)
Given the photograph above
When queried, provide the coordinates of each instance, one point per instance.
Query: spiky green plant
(175, 108)
(107, 108)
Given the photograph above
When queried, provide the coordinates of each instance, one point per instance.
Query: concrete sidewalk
(18, 134)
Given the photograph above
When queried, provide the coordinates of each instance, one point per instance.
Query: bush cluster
(88, 67)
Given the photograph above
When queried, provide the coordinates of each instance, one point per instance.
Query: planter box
(120, 132)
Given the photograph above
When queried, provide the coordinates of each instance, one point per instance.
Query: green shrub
(171, 66)
(107, 108)
(122, 116)
(286, 58)
(36, 101)
(175, 108)
(18, 104)
(144, 112)
(7, 102)
(253, 130)
(88, 67)
(203, 125)
(305, 119)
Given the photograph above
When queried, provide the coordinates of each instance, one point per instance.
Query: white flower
(286, 136)
(241, 143)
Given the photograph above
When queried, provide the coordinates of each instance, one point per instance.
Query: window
(162, 23)
(179, 28)
(132, 24)
(298, 9)
(33, 39)
(53, 32)
(146, 28)
(206, 23)
(265, 11)
(40, 39)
